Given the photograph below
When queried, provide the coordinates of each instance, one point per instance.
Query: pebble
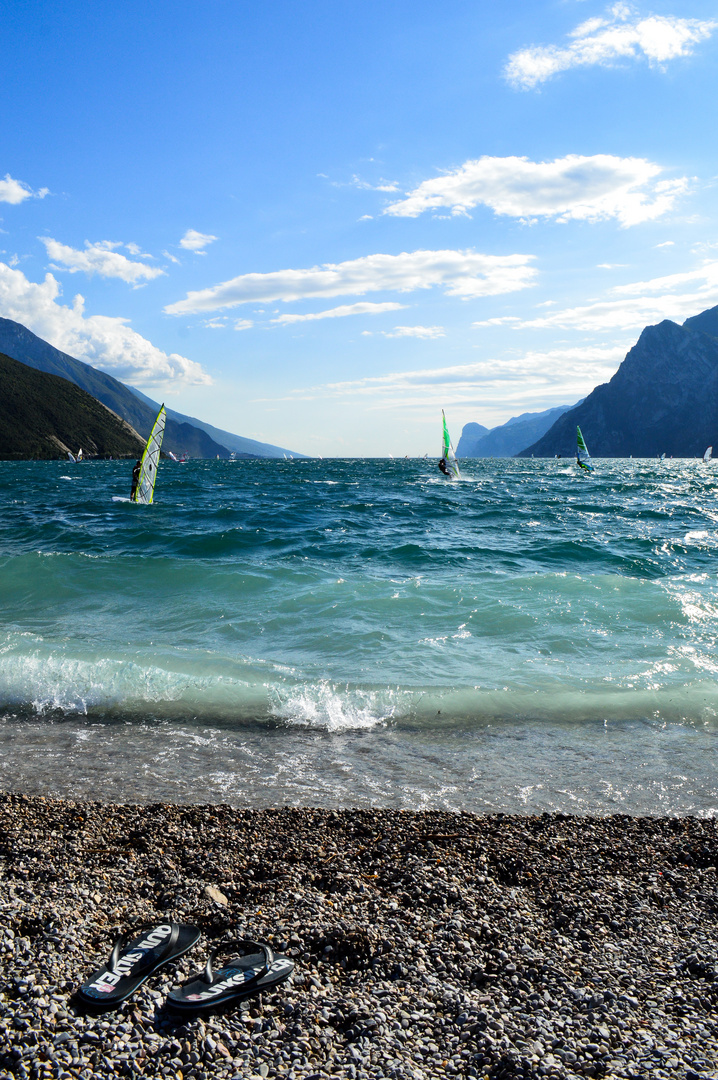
(425, 944)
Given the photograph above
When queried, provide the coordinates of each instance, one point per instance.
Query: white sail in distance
(708, 454)
(150, 459)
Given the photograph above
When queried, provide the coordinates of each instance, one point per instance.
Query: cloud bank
(602, 42)
(101, 258)
(425, 332)
(465, 274)
(196, 241)
(574, 187)
(103, 341)
(638, 304)
(540, 378)
(15, 191)
(362, 308)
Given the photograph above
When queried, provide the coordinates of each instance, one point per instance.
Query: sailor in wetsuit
(135, 479)
(442, 466)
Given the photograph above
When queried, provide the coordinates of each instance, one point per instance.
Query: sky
(319, 224)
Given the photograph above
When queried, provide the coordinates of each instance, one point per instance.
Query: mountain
(183, 434)
(470, 436)
(44, 416)
(242, 446)
(662, 399)
(513, 436)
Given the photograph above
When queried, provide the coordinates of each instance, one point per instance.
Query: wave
(48, 684)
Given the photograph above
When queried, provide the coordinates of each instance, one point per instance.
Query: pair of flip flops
(250, 968)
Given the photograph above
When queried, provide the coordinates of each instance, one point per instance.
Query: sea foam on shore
(426, 944)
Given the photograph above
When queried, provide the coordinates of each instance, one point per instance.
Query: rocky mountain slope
(508, 439)
(44, 416)
(662, 399)
(471, 435)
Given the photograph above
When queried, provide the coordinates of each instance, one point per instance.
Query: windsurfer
(443, 467)
(135, 479)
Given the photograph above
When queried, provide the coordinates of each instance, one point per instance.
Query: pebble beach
(425, 944)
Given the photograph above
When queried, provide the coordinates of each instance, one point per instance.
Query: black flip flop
(137, 954)
(255, 969)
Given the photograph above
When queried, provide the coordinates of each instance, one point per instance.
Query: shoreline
(425, 943)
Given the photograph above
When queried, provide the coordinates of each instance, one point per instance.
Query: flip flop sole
(106, 988)
(229, 984)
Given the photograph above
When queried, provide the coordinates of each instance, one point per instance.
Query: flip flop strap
(136, 932)
(249, 947)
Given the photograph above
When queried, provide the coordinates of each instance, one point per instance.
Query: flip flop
(137, 954)
(253, 970)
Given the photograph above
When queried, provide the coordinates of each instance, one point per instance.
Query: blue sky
(319, 224)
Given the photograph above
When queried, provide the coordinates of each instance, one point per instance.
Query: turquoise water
(363, 632)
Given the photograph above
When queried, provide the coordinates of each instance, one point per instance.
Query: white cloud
(243, 324)
(362, 308)
(604, 41)
(531, 379)
(383, 185)
(638, 304)
(461, 273)
(666, 243)
(416, 331)
(498, 320)
(103, 341)
(574, 187)
(172, 258)
(196, 241)
(15, 191)
(101, 258)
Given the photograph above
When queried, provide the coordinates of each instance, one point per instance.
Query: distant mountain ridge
(507, 439)
(662, 399)
(44, 416)
(471, 434)
(183, 434)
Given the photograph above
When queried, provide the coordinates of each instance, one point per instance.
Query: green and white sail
(583, 458)
(447, 452)
(150, 459)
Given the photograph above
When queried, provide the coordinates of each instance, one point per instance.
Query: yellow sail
(150, 458)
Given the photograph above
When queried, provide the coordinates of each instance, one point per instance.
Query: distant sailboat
(71, 456)
(173, 456)
(145, 489)
(583, 458)
(448, 455)
(708, 455)
(79, 455)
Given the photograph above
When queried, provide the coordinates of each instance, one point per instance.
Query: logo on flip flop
(109, 979)
(241, 976)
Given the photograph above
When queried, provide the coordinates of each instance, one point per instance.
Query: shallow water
(364, 633)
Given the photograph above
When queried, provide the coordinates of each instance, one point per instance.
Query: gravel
(425, 944)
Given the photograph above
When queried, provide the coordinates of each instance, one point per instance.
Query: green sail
(583, 458)
(150, 458)
(447, 452)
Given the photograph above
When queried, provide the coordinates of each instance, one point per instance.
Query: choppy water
(363, 632)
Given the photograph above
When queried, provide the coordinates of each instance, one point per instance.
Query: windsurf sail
(448, 455)
(145, 489)
(583, 458)
(173, 456)
(708, 454)
(71, 455)
(79, 455)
